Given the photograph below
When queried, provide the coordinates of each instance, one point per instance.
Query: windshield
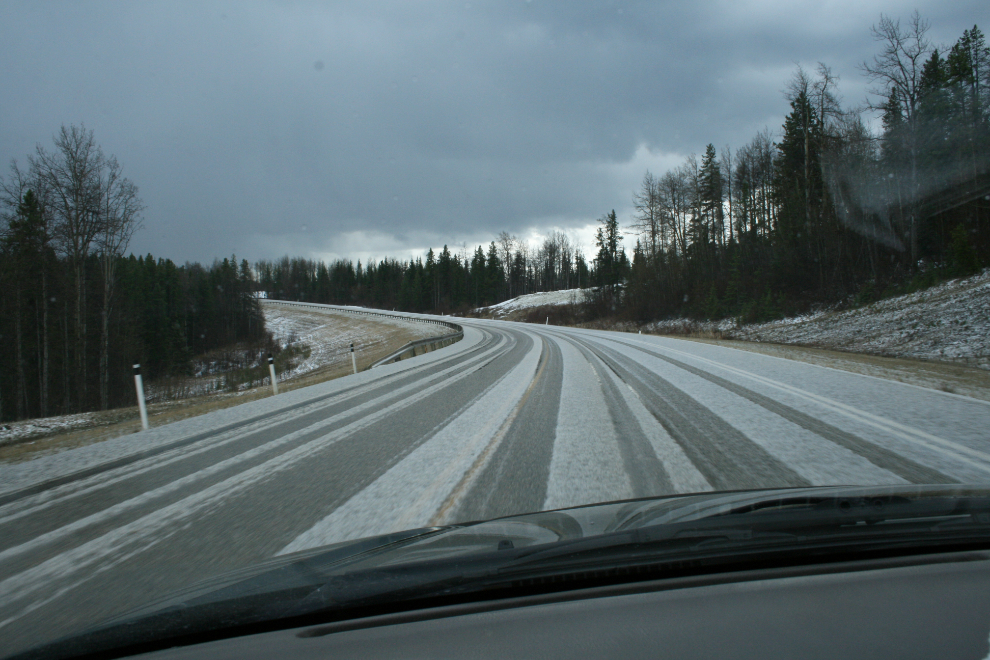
(280, 275)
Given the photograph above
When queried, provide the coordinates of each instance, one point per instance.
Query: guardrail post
(139, 385)
(353, 358)
(271, 370)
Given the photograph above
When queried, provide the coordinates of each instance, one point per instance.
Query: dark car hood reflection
(344, 579)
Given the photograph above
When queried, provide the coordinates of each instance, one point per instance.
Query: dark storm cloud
(333, 128)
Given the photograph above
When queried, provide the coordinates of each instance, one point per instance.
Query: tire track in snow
(959, 453)
(647, 474)
(147, 481)
(910, 470)
(726, 457)
(514, 479)
(414, 490)
(587, 464)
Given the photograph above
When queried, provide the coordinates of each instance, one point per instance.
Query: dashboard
(932, 606)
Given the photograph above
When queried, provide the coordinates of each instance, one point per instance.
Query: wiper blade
(799, 523)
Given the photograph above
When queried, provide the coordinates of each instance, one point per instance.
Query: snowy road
(513, 418)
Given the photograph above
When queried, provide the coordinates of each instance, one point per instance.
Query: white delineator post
(353, 358)
(271, 370)
(139, 385)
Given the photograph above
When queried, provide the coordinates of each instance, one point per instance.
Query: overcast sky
(367, 129)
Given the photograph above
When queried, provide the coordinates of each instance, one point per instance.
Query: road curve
(513, 418)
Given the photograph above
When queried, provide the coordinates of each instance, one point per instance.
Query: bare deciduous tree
(70, 177)
(725, 162)
(91, 205)
(826, 100)
(120, 209)
(506, 245)
(648, 221)
(897, 71)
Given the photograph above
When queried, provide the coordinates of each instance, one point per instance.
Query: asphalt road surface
(513, 418)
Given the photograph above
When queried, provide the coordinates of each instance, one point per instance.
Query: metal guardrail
(432, 342)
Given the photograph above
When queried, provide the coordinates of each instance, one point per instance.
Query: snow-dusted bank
(534, 300)
(37, 427)
(327, 334)
(945, 323)
(949, 322)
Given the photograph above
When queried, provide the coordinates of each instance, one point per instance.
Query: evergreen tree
(610, 261)
(798, 190)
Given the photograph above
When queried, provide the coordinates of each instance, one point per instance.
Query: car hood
(318, 565)
(350, 575)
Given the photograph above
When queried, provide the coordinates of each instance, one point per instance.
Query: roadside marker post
(353, 358)
(139, 385)
(271, 370)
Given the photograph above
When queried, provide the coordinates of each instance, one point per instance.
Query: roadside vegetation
(829, 211)
(76, 314)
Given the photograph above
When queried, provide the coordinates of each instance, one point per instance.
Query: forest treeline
(830, 209)
(441, 282)
(75, 313)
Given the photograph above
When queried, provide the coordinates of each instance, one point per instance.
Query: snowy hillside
(949, 322)
(946, 322)
(327, 335)
(531, 300)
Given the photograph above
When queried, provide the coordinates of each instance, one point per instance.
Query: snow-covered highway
(513, 418)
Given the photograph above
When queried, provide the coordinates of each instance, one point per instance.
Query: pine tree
(798, 189)
(608, 263)
(494, 276)
(26, 252)
(711, 195)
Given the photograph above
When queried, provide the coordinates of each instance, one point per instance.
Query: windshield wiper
(790, 524)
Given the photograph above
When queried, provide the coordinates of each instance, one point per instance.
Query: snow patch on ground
(543, 299)
(37, 428)
(328, 334)
(949, 322)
